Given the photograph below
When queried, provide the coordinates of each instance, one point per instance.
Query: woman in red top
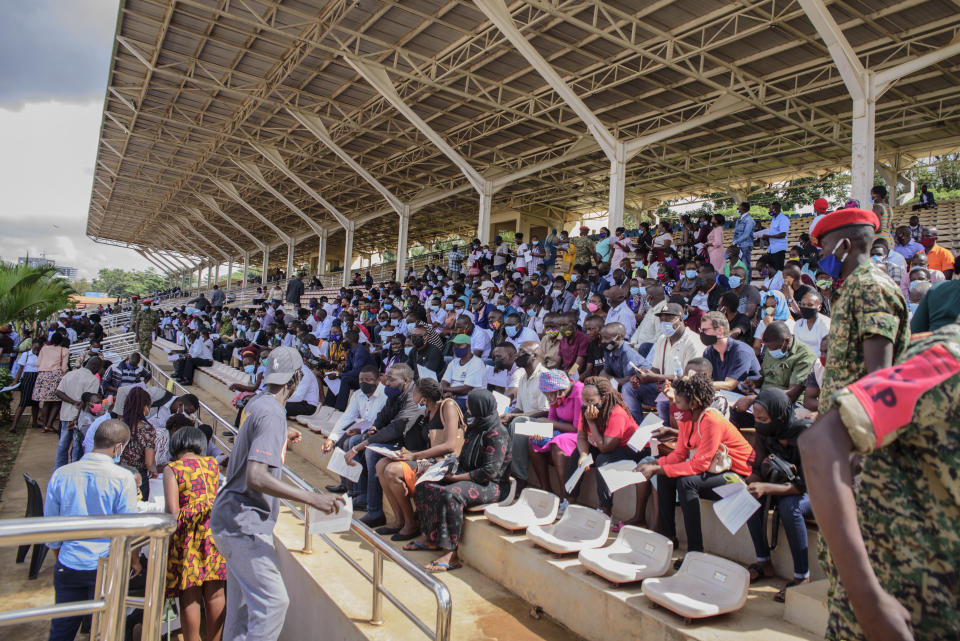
(605, 427)
(685, 471)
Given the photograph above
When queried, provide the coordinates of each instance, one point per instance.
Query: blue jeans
(70, 585)
(745, 251)
(636, 397)
(793, 510)
(374, 491)
(358, 489)
(70, 444)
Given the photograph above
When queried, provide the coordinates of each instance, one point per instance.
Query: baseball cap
(460, 339)
(281, 365)
(672, 309)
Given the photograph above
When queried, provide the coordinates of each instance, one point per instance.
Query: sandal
(757, 572)
(50, 430)
(781, 596)
(442, 567)
(415, 546)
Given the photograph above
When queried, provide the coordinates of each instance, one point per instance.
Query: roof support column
(322, 253)
(347, 253)
(402, 243)
(865, 87)
(618, 185)
(266, 266)
(486, 203)
(289, 269)
(246, 267)
(216, 274)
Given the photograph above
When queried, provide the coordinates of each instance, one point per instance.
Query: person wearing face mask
(689, 282)
(904, 243)
(69, 391)
(939, 257)
(620, 361)
(528, 402)
(358, 355)
(465, 372)
(92, 486)
(748, 296)
(619, 311)
(562, 298)
(423, 355)
(812, 326)
(743, 234)
(777, 476)
(479, 338)
(786, 365)
(732, 361)
(516, 333)
(869, 326)
(140, 453)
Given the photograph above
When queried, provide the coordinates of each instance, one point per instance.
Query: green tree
(120, 282)
(28, 294)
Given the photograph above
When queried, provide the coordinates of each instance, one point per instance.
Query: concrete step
(806, 606)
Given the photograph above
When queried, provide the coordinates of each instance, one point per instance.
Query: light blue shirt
(743, 231)
(92, 486)
(624, 315)
(779, 225)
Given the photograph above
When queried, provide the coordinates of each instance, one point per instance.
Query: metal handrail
(381, 549)
(109, 602)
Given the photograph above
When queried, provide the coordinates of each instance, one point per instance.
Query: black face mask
(417, 341)
(765, 429)
(808, 312)
(499, 364)
(522, 360)
(708, 340)
(368, 388)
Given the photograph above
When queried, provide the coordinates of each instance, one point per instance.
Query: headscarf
(554, 380)
(783, 424)
(484, 417)
(780, 312)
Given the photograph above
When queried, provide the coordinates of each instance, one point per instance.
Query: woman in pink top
(52, 364)
(715, 248)
(564, 413)
(686, 470)
(605, 427)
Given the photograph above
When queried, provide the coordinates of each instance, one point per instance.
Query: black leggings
(689, 489)
(604, 497)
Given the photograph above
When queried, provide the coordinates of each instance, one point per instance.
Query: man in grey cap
(245, 510)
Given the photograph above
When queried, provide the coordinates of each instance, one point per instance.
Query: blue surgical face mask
(531, 312)
(574, 277)
(249, 369)
(502, 308)
(734, 282)
(448, 307)
(387, 306)
(643, 291)
(667, 328)
(877, 258)
(634, 291)
(831, 264)
(912, 307)
(777, 353)
(383, 323)
(512, 330)
(690, 274)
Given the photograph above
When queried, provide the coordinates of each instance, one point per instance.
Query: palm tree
(28, 294)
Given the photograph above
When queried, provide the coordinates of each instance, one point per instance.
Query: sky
(54, 62)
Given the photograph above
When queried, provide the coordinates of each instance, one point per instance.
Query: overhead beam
(212, 204)
(230, 190)
(198, 217)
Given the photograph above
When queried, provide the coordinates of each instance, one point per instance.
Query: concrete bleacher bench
(322, 420)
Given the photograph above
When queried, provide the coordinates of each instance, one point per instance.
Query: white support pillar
(230, 273)
(246, 267)
(483, 220)
(402, 233)
(216, 274)
(266, 265)
(322, 253)
(347, 253)
(209, 276)
(618, 184)
(289, 261)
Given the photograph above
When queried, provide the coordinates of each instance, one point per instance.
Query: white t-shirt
(308, 389)
(812, 337)
(472, 374)
(762, 326)
(521, 259)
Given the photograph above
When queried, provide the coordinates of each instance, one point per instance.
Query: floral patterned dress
(194, 559)
(440, 506)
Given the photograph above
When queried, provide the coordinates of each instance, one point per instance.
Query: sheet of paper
(382, 451)
(173, 357)
(338, 465)
(436, 471)
(577, 473)
(620, 474)
(650, 424)
(732, 397)
(736, 508)
(333, 384)
(9, 388)
(533, 428)
(156, 489)
(426, 372)
(321, 523)
(363, 426)
(503, 402)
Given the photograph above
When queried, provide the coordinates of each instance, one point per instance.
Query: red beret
(843, 218)
(820, 205)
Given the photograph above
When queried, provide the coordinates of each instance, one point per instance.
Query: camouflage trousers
(145, 342)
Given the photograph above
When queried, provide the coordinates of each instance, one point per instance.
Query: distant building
(70, 273)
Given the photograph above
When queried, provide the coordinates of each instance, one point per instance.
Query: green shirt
(940, 307)
(792, 369)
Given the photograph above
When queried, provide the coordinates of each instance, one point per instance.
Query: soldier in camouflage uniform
(146, 322)
(903, 573)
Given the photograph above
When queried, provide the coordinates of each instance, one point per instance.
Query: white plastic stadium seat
(511, 494)
(535, 507)
(580, 528)
(637, 554)
(704, 586)
(322, 420)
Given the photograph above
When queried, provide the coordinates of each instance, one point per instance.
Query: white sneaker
(563, 507)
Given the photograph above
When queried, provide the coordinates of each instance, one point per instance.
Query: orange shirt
(940, 258)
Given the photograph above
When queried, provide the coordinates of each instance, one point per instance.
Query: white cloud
(46, 173)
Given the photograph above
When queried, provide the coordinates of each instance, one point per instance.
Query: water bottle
(654, 447)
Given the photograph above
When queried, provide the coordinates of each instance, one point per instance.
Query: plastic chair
(535, 507)
(704, 586)
(34, 509)
(507, 500)
(637, 554)
(580, 528)
(318, 417)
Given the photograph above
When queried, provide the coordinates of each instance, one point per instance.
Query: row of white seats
(704, 586)
(322, 420)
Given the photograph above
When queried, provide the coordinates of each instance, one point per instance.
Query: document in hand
(640, 438)
(438, 470)
(333, 384)
(382, 451)
(533, 428)
(575, 477)
(503, 402)
(736, 507)
(620, 474)
(9, 387)
(426, 372)
(338, 465)
(321, 523)
(361, 425)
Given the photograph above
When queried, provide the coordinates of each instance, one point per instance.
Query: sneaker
(564, 504)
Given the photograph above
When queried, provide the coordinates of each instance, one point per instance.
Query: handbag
(721, 461)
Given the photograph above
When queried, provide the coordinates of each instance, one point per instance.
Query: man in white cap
(245, 511)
